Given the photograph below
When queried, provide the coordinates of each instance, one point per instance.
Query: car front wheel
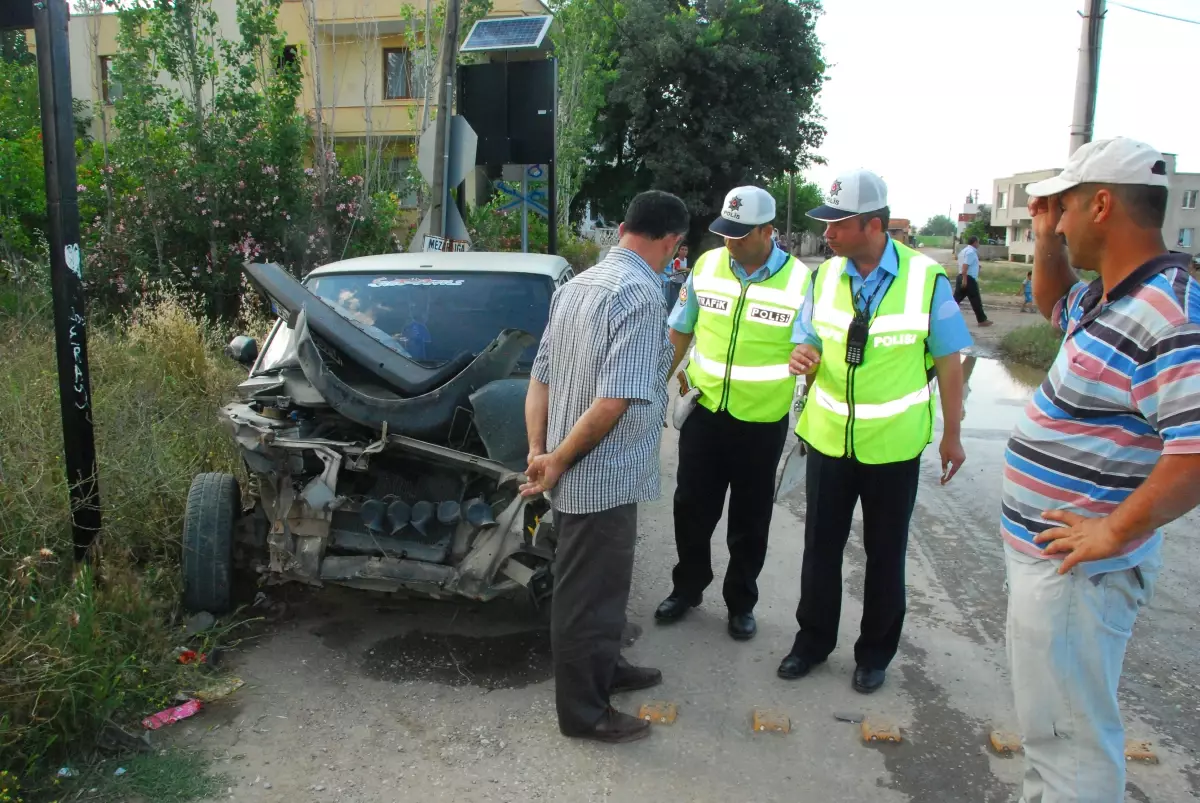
(212, 508)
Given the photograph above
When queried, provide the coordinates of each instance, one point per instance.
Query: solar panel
(507, 33)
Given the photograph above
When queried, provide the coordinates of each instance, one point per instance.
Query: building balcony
(392, 118)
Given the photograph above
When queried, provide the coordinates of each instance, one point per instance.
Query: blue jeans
(1066, 645)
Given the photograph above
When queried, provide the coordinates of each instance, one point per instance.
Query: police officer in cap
(879, 333)
(736, 313)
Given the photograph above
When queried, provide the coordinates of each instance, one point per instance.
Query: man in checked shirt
(597, 400)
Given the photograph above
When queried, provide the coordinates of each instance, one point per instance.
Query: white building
(1010, 210)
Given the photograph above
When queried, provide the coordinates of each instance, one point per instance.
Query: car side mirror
(242, 349)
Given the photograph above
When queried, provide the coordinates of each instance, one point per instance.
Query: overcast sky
(940, 97)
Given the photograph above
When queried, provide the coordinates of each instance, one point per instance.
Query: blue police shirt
(947, 329)
(683, 318)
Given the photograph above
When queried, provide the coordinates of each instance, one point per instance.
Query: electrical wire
(1153, 13)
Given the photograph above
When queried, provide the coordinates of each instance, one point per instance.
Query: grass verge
(85, 650)
(1035, 345)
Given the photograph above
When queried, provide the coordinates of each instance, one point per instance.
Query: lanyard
(864, 313)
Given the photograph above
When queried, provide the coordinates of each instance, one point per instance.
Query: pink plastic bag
(170, 715)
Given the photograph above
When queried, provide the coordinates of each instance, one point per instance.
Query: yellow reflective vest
(882, 410)
(743, 338)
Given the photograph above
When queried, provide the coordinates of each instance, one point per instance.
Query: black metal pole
(552, 176)
(66, 269)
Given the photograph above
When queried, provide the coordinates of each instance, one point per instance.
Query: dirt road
(356, 699)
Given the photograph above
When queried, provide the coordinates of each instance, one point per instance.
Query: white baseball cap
(856, 192)
(1107, 161)
(745, 209)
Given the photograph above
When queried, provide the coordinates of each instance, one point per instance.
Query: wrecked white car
(383, 431)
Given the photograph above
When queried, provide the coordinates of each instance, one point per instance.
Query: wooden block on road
(878, 729)
(659, 712)
(766, 720)
(1005, 743)
(1139, 750)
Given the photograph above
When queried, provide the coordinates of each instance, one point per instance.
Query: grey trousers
(593, 569)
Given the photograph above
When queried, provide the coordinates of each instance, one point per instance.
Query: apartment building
(1010, 210)
(363, 63)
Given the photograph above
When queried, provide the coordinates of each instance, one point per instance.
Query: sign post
(66, 270)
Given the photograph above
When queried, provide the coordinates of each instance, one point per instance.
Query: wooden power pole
(1087, 76)
(445, 113)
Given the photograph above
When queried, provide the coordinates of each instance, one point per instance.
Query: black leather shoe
(742, 626)
(673, 609)
(868, 680)
(796, 666)
(634, 678)
(614, 728)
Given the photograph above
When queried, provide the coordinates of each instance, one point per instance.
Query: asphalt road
(358, 698)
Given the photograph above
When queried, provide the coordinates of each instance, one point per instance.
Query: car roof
(434, 262)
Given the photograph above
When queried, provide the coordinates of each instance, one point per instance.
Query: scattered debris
(765, 719)
(659, 712)
(852, 718)
(1143, 751)
(221, 688)
(67, 772)
(198, 623)
(191, 657)
(120, 771)
(1005, 743)
(881, 730)
(171, 715)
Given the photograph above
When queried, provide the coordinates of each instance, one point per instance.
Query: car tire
(212, 508)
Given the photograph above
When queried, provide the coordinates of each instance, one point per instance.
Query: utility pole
(1087, 75)
(66, 270)
(791, 196)
(445, 112)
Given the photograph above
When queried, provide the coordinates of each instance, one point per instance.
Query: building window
(1002, 200)
(1186, 236)
(1189, 198)
(289, 58)
(110, 90)
(397, 74)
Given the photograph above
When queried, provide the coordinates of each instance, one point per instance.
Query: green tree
(22, 183)
(706, 96)
(583, 37)
(939, 226)
(807, 196)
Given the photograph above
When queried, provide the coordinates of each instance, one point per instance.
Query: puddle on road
(496, 661)
(997, 395)
(503, 661)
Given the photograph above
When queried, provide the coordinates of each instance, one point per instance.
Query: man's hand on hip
(953, 456)
(804, 360)
(1082, 538)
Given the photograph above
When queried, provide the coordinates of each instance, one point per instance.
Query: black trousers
(720, 453)
(968, 288)
(888, 492)
(593, 569)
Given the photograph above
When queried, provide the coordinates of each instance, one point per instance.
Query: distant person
(1107, 453)
(679, 272)
(1027, 289)
(597, 398)
(968, 280)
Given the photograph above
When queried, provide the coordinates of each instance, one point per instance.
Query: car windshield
(434, 317)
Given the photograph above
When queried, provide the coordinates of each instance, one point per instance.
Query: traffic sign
(536, 199)
(463, 142)
(456, 230)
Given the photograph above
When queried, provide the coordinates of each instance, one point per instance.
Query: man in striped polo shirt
(1107, 453)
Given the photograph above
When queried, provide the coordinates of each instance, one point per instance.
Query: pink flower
(81, 188)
